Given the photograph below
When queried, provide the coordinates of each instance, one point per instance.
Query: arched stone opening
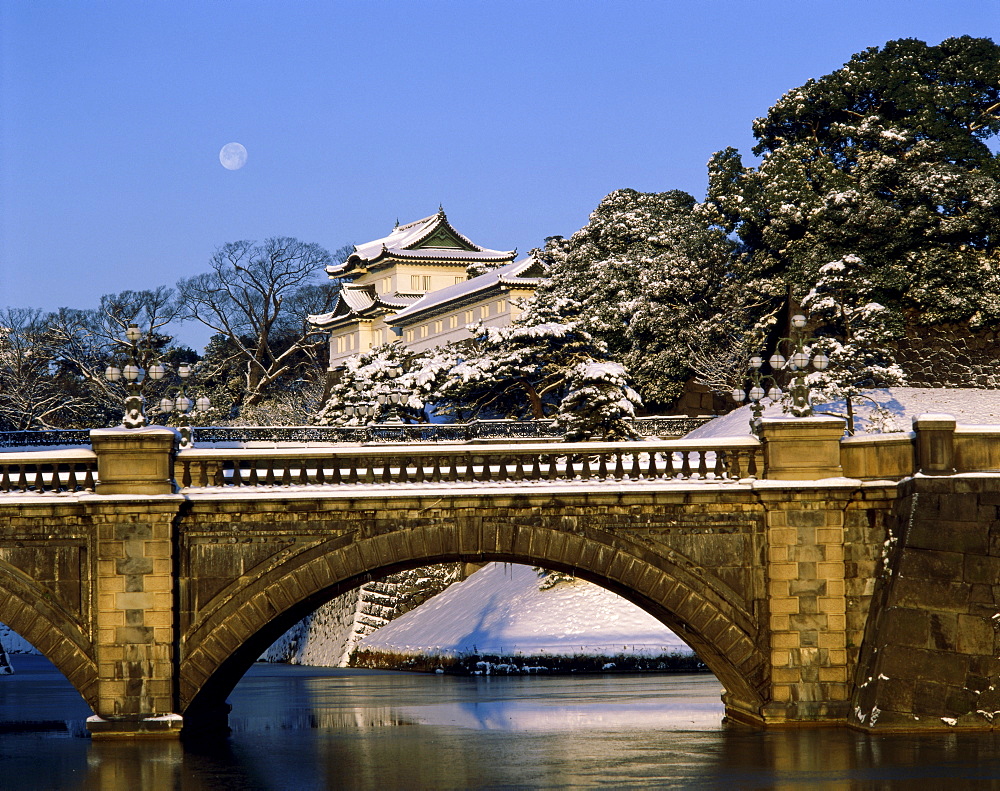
(218, 650)
(32, 612)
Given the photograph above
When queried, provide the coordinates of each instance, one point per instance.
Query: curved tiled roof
(405, 240)
(358, 301)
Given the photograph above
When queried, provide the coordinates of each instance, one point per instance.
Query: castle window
(452, 322)
(459, 280)
(409, 336)
(468, 317)
(502, 306)
(423, 331)
(438, 326)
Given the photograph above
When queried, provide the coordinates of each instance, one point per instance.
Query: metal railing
(473, 431)
(690, 460)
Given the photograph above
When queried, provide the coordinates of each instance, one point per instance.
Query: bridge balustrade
(733, 459)
(48, 471)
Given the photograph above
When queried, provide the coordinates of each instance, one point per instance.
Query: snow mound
(13, 643)
(900, 405)
(501, 610)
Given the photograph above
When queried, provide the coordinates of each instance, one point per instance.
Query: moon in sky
(233, 156)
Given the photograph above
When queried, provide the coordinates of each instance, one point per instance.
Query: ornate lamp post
(389, 401)
(756, 393)
(181, 404)
(797, 364)
(133, 374)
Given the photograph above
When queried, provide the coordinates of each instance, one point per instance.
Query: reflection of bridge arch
(35, 614)
(235, 628)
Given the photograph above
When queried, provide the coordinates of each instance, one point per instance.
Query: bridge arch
(221, 645)
(35, 614)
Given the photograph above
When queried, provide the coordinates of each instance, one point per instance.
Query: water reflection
(312, 728)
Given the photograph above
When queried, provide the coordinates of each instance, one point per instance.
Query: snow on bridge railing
(48, 471)
(722, 460)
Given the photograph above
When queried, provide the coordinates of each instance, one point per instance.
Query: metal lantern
(775, 393)
(133, 372)
(166, 404)
(756, 362)
(756, 393)
(777, 361)
(203, 403)
(133, 333)
(112, 374)
(183, 404)
(800, 360)
(738, 395)
(156, 372)
(183, 370)
(821, 362)
(798, 321)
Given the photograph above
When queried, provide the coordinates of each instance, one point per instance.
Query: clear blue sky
(517, 116)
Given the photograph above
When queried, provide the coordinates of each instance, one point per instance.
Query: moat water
(319, 728)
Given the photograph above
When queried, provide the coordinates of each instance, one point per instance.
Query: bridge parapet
(48, 471)
(731, 459)
(801, 449)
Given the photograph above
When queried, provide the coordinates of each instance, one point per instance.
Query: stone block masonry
(134, 618)
(930, 653)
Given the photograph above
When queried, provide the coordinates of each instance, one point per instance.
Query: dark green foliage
(886, 159)
(644, 272)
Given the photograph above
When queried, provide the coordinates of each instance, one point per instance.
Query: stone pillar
(935, 444)
(134, 631)
(135, 460)
(802, 449)
(807, 604)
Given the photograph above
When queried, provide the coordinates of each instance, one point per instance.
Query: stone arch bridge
(823, 580)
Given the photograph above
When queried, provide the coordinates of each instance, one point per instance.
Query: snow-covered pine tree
(854, 332)
(533, 367)
(368, 375)
(598, 402)
(642, 272)
(888, 159)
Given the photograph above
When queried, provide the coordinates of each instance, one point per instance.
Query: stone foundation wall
(329, 636)
(950, 355)
(930, 653)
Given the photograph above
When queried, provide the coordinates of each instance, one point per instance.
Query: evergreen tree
(643, 272)
(854, 333)
(541, 366)
(887, 159)
(369, 377)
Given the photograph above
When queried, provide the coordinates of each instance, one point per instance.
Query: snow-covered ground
(900, 405)
(502, 610)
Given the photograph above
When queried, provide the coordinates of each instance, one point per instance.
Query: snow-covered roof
(358, 301)
(429, 239)
(525, 273)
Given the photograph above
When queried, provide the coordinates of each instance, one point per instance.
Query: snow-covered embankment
(511, 618)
